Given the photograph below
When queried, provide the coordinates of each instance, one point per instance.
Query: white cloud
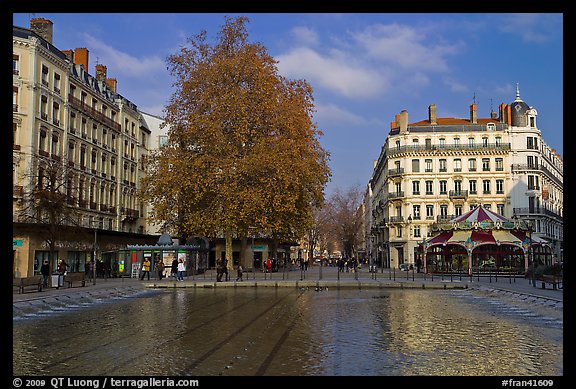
(404, 47)
(332, 114)
(532, 27)
(454, 85)
(305, 36)
(338, 72)
(123, 64)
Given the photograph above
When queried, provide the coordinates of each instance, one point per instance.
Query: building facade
(436, 169)
(66, 119)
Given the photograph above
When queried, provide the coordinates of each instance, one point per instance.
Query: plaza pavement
(314, 277)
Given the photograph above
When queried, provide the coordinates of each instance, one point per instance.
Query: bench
(553, 280)
(75, 277)
(21, 283)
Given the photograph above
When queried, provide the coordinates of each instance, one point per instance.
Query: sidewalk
(314, 277)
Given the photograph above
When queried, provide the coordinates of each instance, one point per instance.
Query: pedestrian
(225, 270)
(62, 267)
(240, 273)
(145, 269)
(45, 270)
(174, 269)
(181, 269)
(160, 269)
(269, 265)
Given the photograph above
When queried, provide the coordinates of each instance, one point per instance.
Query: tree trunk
(229, 250)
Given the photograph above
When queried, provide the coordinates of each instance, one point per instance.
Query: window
(443, 211)
(498, 141)
(162, 140)
(397, 145)
(416, 212)
(484, 142)
(533, 182)
(429, 190)
(428, 143)
(491, 126)
(429, 212)
(500, 209)
(442, 142)
(486, 186)
(472, 164)
(428, 164)
(72, 90)
(44, 75)
(397, 166)
(14, 99)
(44, 107)
(472, 184)
(530, 161)
(415, 166)
(487, 206)
(458, 186)
(417, 232)
(415, 142)
(54, 148)
(399, 231)
(443, 165)
(458, 210)
(56, 114)
(486, 164)
(57, 83)
(82, 157)
(15, 64)
(442, 187)
(457, 165)
(500, 186)
(415, 187)
(471, 142)
(94, 133)
(531, 143)
(398, 186)
(84, 131)
(499, 164)
(42, 143)
(456, 142)
(532, 121)
(71, 152)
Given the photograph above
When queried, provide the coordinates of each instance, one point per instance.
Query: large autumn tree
(243, 150)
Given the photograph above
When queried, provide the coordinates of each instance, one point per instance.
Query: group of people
(45, 271)
(177, 269)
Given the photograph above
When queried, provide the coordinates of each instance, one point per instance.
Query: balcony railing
(396, 219)
(395, 195)
(444, 218)
(458, 194)
(78, 104)
(395, 172)
(460, 147)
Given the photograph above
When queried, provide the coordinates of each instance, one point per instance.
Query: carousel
(481, 240)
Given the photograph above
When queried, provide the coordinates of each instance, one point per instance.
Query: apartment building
(436, 169)
(68, 119)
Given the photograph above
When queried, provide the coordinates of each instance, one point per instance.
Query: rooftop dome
(165, 240)
(518, 109)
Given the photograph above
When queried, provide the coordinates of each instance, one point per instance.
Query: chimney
(403, 121)
(432, 114)
(100, 72)
(473, 114)
(493, 115)
(42, 27)
(81, 57)
(69, 54)
(502, 109)
(111, 82)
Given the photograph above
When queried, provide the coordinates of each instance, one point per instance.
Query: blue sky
(364, 67)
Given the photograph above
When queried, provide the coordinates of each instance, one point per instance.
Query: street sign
(16, 242)
(259, 248)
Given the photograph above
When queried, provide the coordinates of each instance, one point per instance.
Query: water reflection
(291, 332)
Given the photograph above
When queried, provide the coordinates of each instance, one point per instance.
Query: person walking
(181, 269)
(146, 269)
(174, 269)
(45, 270)
(240, 273)
(160, 269)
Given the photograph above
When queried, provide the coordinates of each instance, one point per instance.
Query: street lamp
(253, 251)
(94, 255)
(530, 227)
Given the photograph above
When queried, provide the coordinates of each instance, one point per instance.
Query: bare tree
(345, 219)
(47, 198)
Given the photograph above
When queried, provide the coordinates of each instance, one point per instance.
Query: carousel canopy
(482, 226)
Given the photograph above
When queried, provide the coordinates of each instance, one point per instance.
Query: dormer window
(532, 121)
(491, 126)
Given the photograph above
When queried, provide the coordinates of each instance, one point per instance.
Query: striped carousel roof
(480, 214)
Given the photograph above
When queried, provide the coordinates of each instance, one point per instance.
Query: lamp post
(530, 227)
(253, 252)
(94, 255)
(371, 268)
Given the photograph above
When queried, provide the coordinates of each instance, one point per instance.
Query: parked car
(405, 267)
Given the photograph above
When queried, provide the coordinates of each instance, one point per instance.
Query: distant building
(436, 169)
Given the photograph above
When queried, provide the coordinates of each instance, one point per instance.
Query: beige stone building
(65, 117)
(436, 169)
